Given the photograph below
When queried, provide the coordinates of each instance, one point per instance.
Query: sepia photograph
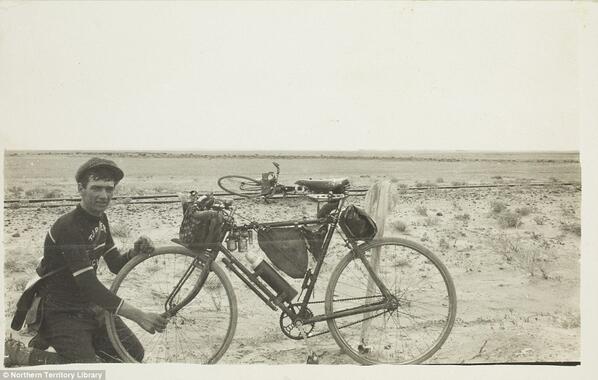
(330, 188)
(335, 258)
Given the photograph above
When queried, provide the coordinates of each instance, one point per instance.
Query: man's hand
(150, 322)
(143, 246)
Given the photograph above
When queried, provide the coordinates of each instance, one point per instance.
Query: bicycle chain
(347, 325)
(339, 300)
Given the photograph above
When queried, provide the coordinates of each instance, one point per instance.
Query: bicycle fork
(170, 306)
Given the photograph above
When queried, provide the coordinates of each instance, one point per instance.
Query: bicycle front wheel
(240, 185)
(200, 332)
(418, 320)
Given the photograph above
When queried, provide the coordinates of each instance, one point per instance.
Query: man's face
(96, 196)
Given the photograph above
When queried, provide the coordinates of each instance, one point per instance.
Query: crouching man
(72, 298)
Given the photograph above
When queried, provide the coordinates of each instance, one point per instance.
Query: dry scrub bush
(567, 211)
(54, 193)
(497, 207)
(463, 217)
(572, 228)
(431, 221)
(41, 192)
(524, 256)
(539, 220)
(509, 219)
(523, 211)
(443, 244)
(399, 225)
(20, 260)
(421, 210)
(14, 191)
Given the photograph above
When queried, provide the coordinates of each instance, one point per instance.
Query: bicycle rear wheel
(200, 332)
(411, 330)
(240, 185)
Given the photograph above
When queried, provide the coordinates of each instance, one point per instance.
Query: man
(73, 299)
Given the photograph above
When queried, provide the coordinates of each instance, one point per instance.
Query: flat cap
(96, 162)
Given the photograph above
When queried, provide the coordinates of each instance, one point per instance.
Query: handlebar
(277, 168)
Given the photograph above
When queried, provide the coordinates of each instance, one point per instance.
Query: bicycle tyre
(200, 332)
(411, 320)
(241, 186)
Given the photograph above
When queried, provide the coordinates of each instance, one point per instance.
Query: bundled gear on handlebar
(203, 221)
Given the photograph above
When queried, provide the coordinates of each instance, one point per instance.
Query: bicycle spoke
(200, 331)
(409, 333)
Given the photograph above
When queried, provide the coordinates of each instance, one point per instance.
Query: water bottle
(270, 276)
(231, 242)
(243, 237)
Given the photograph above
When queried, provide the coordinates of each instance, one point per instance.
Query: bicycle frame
(254, 283)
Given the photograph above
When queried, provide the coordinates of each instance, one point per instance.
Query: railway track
(173, 198)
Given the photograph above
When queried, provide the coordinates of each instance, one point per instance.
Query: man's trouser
(79, 336)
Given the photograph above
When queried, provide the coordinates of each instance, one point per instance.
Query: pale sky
(192, 76)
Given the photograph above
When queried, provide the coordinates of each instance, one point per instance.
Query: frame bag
(286, 248)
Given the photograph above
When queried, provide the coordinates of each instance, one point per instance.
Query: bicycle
(399, 310)
(268, 186)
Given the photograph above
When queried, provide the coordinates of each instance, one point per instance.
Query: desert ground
(513, 252)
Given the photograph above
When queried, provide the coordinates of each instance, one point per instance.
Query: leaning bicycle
(388, 300)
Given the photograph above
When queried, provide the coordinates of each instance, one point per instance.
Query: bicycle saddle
(337, 186)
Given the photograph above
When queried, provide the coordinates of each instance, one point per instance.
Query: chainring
(292, 331)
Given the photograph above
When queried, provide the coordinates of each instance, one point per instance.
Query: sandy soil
(517, 287)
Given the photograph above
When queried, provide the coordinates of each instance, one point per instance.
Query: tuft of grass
(508, 219)
(430, 221)
(573, 228)
(527, 258)
(523, 211)
(14, 191)
(497, 207)
(539, 220)
(567, 211)
(54, 193)
(399, 225)
(456, 205)
(463, 217)
(421, 210)
(443, 244)
(19, 261)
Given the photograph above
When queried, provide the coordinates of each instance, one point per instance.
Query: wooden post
(378, 203)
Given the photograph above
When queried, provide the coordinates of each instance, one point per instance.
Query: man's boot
(15, 353)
